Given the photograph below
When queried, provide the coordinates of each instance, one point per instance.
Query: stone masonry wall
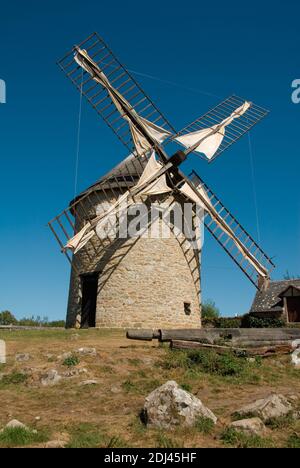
(143, 283)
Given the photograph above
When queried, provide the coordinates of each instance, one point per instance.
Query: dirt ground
(107, 414)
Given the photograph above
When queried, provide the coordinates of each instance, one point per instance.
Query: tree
(210, 310)
(7, 318)
(288, 276)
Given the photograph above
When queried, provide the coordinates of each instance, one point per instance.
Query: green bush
(210, 310)
(207, 361)
(223, 322)
(7, 318)
(71, 361)
(249, 321)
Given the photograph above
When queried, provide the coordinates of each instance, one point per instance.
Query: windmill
(98, 274)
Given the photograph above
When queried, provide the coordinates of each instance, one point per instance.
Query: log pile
(244, 342)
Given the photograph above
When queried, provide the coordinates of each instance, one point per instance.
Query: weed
(164, 441)
(129, 386)
(281, 422)
(116, 442)
(71, 361)
(204, 425)
(293, 441)
(187, 387)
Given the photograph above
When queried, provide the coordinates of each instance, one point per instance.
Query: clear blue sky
(208, 49)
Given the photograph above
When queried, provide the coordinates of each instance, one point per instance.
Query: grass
(226, 365)
(204, 425)
(20, 437)
(165, 441)
(14, 378)
(85, 435)
(293, 441)
(237, 439)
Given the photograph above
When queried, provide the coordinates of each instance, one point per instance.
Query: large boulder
(252, 426)
(170, 405)
(272, 407)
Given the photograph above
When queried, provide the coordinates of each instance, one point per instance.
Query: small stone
(55, 444)
(14, 423)
(38, 418)
(87, 351)
(50, 378)
(252, 426)
(170, 405)
(22, 357)
(86, 383)
(115, 389)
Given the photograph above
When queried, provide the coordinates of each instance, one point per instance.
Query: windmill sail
(210, 139)
(222, 126)
(229, 233)
(115, 95)
(145, 186)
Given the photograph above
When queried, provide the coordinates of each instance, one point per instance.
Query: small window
(187, 308)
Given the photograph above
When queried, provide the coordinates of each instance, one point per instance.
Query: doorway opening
(293, 308)
(89, 287)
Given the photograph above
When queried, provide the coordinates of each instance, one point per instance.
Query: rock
(296, 358)
(115, 389)
(170, 405)
(252, 426)
(86, 383)
(14, 423)
(51, 378)
(87, 351)
(55, 444)
(65, 356)
(74, 372)
(22, 357)
(274, 406)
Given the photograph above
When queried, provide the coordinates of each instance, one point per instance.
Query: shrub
(207, 361)
(223, 322)
(7, 318)
(210, 310)
(249, 321)
(71, 361)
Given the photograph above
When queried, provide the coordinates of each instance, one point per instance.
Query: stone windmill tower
(143, 279)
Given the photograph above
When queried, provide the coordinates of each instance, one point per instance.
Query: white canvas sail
(210, 139)
(155, 133)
